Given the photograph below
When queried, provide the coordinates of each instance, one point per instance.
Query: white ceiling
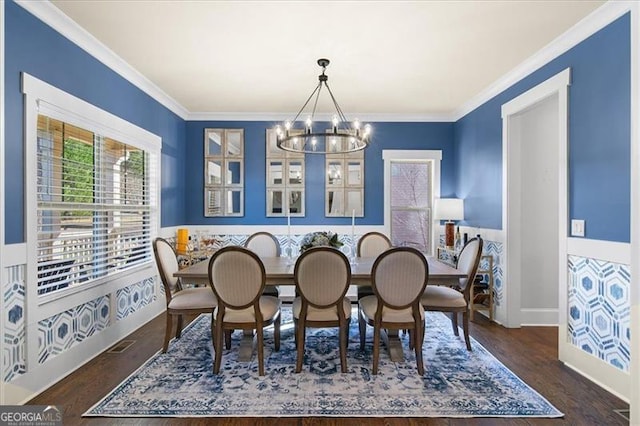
(387, 57)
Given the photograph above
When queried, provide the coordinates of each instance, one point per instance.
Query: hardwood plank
(530, 352)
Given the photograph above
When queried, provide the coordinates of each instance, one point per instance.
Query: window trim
(43, 98)
(394, 155)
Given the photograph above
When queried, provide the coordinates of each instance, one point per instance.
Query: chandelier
(342, 137)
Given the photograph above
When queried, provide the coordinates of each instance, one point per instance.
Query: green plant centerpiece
(320, 238)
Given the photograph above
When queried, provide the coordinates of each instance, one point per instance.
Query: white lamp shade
(448, 209)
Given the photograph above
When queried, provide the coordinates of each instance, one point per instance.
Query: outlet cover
(577, 228)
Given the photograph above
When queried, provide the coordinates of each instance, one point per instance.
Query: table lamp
(448, 209)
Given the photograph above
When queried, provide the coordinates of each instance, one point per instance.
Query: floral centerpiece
(320, 238)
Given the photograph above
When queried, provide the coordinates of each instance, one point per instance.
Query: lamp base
(449, 231)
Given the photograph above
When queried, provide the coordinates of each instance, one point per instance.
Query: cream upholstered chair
(237, 277)
(371, 244)
(322, 277)
(265, 244)
(447, 299)
(399, 277)
(180, 301)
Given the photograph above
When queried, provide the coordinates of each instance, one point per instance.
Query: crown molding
(265, 116)
(588, 26)
(56, 19)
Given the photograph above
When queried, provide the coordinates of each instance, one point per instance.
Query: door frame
(556, 85)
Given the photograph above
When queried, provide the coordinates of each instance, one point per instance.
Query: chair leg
(412, 337)
(179, 327)
(454, 323)
(227, 339)
(260, 332)
(301, 337)
(343, 345)
(218, 347)
(295, 332)
(213, 333)
(276, 332)
(167, 332)
(418, 347)
(362, 325)
(376, 348)
(465, 328)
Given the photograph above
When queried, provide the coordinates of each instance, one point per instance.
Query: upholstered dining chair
(265, 244)
(448, 299)
(398, 279)
(180, 301)
(237, 277)
(371, 244)
(322, 276)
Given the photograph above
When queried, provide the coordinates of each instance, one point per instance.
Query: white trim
(604, 375)
(270, 116)
(593, 23)
(2, 192)
(558, 84)
(487, 234)
(14, 254)
(389, 155)
(56, 19)
(170, 232)
(634, 368)
(609, 251)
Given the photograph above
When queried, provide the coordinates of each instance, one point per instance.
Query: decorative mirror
(224, 172)
(344, 184)
(285, 180)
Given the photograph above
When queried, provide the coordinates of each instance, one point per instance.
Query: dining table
(279, 271)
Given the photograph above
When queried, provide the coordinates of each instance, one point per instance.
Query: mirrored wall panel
(344, 184)
(285, 180)
(224, 172)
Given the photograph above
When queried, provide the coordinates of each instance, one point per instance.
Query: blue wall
(385, 136)
(599, 138)
(35, 48)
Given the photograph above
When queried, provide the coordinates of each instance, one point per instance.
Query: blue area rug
(456, 383)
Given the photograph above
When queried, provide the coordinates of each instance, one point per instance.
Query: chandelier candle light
(343, 137)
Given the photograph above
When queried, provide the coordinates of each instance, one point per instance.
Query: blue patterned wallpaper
(600, 310)
(59, 332)
(13, 348)
(132, 298)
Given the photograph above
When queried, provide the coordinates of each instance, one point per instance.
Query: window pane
(410, 183)
(410, 228)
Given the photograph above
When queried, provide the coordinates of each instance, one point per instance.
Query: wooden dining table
(279, 271)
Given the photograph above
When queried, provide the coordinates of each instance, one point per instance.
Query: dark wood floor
(530, 352)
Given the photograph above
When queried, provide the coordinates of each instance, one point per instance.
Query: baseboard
(545, 317)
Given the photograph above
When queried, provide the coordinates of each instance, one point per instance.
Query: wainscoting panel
(134, 297)
(60, 332)
(14, 362)
(599, 309)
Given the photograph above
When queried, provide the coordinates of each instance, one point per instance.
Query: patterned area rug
(456, 383)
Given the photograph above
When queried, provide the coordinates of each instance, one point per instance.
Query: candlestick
(353, 222)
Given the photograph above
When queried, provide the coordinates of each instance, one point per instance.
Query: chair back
(237, 277)
(264, 244)
(468, 261)
(372, 244)
(167, 263)
(322, 276)
(399, 277)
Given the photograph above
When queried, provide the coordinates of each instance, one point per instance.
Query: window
(412, 181)
(95, 191)
(224, 172)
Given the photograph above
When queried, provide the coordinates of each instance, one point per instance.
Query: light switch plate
(577, 228)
